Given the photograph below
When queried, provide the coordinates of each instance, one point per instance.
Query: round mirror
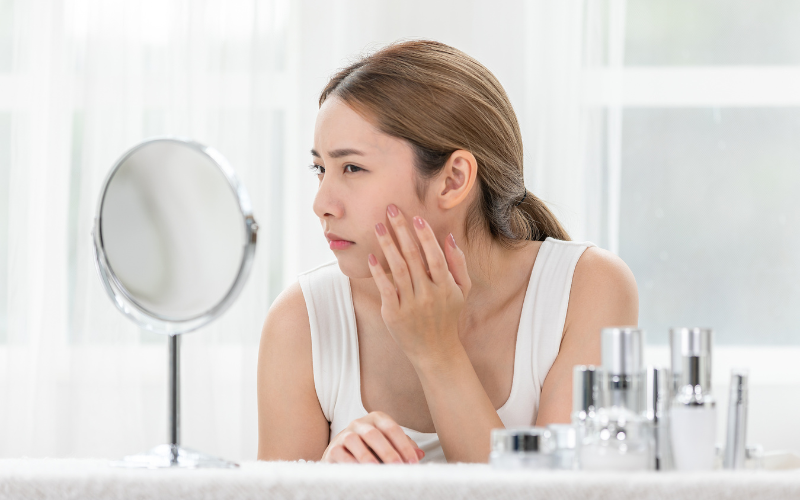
(174, 235)
(174, 239)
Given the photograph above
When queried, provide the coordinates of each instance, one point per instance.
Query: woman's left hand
(421, 309)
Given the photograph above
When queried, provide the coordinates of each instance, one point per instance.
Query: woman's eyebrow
(338, 153)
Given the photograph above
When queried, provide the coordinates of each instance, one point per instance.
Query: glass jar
(564, 444)
(617, 439)
(521, 448)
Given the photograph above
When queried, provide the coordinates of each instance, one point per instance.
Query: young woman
(456, 303)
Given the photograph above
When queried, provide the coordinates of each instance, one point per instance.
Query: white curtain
(90, 78)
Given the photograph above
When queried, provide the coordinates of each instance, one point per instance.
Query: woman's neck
(498, 276)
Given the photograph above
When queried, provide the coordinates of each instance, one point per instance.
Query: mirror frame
(117, 292)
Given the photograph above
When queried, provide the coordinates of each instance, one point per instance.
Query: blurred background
(666, 131)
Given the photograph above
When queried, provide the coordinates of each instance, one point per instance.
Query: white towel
(95, 479)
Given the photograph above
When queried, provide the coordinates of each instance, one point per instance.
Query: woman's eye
(351, 167)
(317, 169)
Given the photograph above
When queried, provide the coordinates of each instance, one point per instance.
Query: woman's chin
(353, 269)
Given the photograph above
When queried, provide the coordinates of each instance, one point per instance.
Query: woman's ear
(456, 179)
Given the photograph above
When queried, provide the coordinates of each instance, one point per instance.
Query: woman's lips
(340, 244)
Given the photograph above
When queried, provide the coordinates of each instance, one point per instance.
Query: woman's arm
(603, 294)
(291, 424)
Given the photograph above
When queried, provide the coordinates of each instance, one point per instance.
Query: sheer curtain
(90, 78)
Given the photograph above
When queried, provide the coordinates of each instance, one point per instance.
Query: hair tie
(523, 199)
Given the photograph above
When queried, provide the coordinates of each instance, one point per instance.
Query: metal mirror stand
(172, 454)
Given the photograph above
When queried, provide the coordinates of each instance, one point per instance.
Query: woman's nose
(327, 202)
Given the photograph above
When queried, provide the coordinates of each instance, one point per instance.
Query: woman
(456, 304)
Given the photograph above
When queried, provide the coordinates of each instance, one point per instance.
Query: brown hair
(441, 100)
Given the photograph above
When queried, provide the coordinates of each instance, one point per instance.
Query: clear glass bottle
(736, 434)
(618, 437)
(564, 444)
(693, 416)
(521, 448)
(657, 401)
(585, 401)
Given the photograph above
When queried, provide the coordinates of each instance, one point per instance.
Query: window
(709, 166)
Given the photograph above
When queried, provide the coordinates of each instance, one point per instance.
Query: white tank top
(334, 341)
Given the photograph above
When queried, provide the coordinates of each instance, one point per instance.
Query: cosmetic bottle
(754, 457)
(521, 448)
(618, 437)
(564, 444)
(585, 401)
(621, 353)
(693, 416)
(736, 439)
(657, 399)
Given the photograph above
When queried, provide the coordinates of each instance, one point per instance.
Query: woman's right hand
(373, 439)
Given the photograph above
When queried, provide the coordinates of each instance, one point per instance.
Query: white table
(95, 479)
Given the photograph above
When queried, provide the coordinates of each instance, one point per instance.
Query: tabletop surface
(96, 479)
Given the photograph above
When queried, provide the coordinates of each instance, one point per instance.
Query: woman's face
(361, 171)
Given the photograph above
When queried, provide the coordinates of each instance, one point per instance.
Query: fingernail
(372, 260)
(451, 240)
(380, 228)
(419, 222)
(392, 209)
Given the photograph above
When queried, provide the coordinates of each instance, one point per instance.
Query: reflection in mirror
(172, 231)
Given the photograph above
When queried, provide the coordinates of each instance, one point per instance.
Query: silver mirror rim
(117, 292)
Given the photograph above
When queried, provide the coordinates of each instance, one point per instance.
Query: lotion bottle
(618, 437)
(693, 417)
(736, 439)
(657, 401)
(585, 402)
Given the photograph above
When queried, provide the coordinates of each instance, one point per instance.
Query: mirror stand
(172, 454)
(174, 239)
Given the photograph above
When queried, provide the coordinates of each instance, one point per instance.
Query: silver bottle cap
(584, 388)
(736, 439)
(621, 350)
(657, 392)
(691, 358)
(530, 439)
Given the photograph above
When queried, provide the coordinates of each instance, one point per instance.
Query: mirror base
(162, 457)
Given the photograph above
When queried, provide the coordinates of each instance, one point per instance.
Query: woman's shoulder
(602, 286)
(289, 311)
(597, 266)
(288, 315)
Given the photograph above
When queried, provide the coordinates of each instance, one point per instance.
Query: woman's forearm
(461, 410)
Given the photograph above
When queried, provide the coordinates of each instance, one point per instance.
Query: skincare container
(521, 448)
(736, 440)
(621, 354)
(693, 417)
(564, 443)
(657, 399)
(618, 437)
(754, 457)
(585, 401)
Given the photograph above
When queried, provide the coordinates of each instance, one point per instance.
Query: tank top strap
(327, 294)
(541, 325)
(551, 282)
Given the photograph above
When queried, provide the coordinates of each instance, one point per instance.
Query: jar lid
(530, 439)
